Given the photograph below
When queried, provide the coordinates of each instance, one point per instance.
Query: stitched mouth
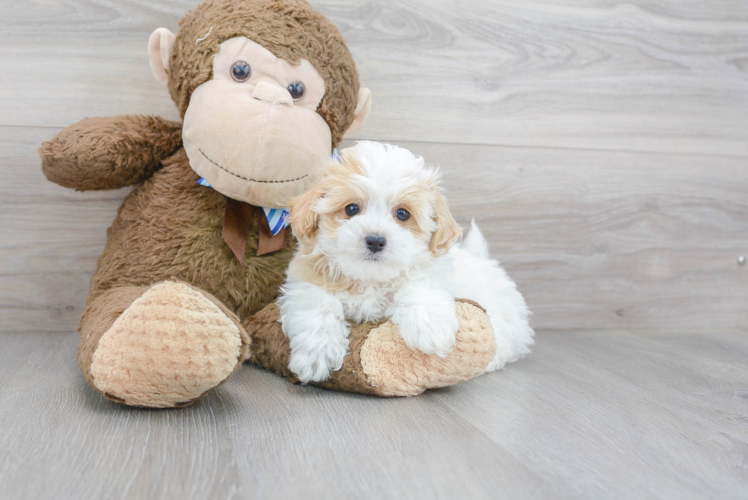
(247, 178)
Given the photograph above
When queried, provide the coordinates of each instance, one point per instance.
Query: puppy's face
(375, 214)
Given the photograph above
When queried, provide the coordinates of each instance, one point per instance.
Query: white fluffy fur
(405, 282)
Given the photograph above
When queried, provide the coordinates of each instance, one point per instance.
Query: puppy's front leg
(314, 322)
(427, 318)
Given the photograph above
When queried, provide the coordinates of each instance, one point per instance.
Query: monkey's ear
(447, 231)
(303, 218)
(160, 46)
(362, 110)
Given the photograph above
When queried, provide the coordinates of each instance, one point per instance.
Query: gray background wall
(602, 146)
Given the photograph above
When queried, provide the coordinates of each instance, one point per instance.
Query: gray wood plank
(621, 415)
(16, 348)
(642, 76)
(594, 239)
(368, 448)
(256, 437)
(589, 414)
(79, 445)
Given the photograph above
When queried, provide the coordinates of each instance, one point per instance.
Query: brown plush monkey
(184, 291)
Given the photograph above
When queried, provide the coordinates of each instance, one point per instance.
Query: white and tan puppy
(377, 240)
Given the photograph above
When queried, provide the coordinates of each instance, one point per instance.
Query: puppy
(377, 240)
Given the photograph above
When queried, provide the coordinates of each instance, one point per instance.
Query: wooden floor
(602, 145)
(588, 415)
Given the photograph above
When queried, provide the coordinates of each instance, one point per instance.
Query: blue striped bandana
(277, 217)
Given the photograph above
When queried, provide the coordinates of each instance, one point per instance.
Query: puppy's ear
(303, 218)
(447, 232)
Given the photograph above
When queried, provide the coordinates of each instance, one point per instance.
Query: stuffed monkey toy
(184, 291)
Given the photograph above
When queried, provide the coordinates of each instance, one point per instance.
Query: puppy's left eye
(351, 210)
(402, 214)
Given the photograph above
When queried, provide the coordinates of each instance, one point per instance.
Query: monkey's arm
(109, 153)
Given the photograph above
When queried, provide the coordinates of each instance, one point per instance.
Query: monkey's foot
(379, 361)
(395, 369)
(168, 348)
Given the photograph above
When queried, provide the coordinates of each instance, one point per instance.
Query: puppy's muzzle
(375, 242)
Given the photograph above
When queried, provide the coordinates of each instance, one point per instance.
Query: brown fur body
(170, 228)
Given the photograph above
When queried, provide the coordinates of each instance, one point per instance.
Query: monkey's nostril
(375, 242)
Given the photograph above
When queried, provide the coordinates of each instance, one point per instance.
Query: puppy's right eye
(351, 210)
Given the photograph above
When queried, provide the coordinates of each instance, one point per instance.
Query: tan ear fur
(303, 218)
(362, 111)
(160, 47)
(448, 231)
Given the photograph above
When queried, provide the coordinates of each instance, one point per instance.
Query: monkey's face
(253, 131)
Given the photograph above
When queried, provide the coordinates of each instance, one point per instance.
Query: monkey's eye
(240, 71)
(296, 89)
(402, 214)
(351, 210)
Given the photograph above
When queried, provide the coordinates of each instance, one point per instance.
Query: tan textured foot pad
(167, 349)
(396, 370)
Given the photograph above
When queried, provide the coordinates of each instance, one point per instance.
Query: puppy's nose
(375, 242)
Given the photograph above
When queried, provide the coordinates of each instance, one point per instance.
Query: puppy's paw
(315, 363)
(316, 353)
(431, 330)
